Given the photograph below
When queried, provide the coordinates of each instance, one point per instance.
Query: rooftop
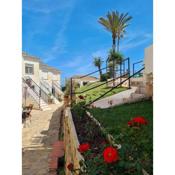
(86, 78)
(43, 66)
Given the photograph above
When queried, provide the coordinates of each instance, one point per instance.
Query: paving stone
(37, 140)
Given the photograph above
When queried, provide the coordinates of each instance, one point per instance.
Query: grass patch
(97, 92)
(137, 144)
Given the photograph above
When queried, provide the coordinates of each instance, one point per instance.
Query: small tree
(115, 57)
(68, 87)
(98, 63)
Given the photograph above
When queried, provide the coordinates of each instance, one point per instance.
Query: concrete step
(137, 96)
(140, 90)
(45, 109)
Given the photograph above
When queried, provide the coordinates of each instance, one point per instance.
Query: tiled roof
(29, 57)
(87, 78)
(45, 67)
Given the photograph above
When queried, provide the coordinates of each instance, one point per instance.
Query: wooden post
(120, 72)
(129, 73)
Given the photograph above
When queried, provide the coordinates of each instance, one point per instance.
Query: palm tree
(122, 24)
(117, 57)
(98, 63)
(111, 24)
(115, 23)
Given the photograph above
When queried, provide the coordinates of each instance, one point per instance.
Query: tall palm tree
(98, 63)
(115, 23)
(124, 19)
(111, 24)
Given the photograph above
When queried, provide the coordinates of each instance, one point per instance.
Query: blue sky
(66, 34)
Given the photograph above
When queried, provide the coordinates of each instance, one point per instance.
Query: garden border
(71, 142)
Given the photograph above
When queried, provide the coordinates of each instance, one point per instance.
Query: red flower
(140, 120)
(81, 97)
(110, 155)
(130, 123)
(70, 166)
(83, 147)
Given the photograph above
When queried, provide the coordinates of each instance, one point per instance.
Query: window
(29, 69)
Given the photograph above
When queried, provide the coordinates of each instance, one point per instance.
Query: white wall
(148, 59)
(148, 72)
(43, 75)
(35, 76)
(49, 77)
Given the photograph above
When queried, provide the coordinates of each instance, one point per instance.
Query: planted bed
(136, 153)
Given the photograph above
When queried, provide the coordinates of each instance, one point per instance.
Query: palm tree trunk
(100, 72)
(113, 47)
(113, 44)
(118, 43)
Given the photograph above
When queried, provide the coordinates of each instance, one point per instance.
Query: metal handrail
(37, 101)
(100, 69)
(56, 84)
(115, 86)
(30, 87)
(114, 78)
(100, 84)
(133, 66)
(41, 92)
(44, 85)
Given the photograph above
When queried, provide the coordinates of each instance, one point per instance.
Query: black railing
(134, 64)
(37, 89)
(46, 87)
(36, 99)
(100, 84)
(122, 73)
(56, 84)
(56, 90)
(112, 88)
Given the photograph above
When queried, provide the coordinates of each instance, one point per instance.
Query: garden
(117, 140)
(130, 149)
(96, 92)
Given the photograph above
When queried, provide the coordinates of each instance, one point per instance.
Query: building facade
(41, 81)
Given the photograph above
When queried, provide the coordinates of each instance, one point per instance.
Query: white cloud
(136, 39)
(46, 6)
(75, 62)
(60, 43)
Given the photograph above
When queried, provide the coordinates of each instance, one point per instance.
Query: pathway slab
(38, 138)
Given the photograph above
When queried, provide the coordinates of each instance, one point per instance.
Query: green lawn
(95, 93)
(137, 144)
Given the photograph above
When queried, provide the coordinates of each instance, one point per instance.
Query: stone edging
(109, 137)
(71, 142)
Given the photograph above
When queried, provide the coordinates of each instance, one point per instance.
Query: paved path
(37, 139)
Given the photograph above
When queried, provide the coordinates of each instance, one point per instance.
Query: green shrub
(79, 109)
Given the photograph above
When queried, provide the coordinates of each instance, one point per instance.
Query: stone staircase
(136, 93)
(35, 98)
(48, 89)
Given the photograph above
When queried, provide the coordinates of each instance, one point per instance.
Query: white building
(84, 80)
(41, 81)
